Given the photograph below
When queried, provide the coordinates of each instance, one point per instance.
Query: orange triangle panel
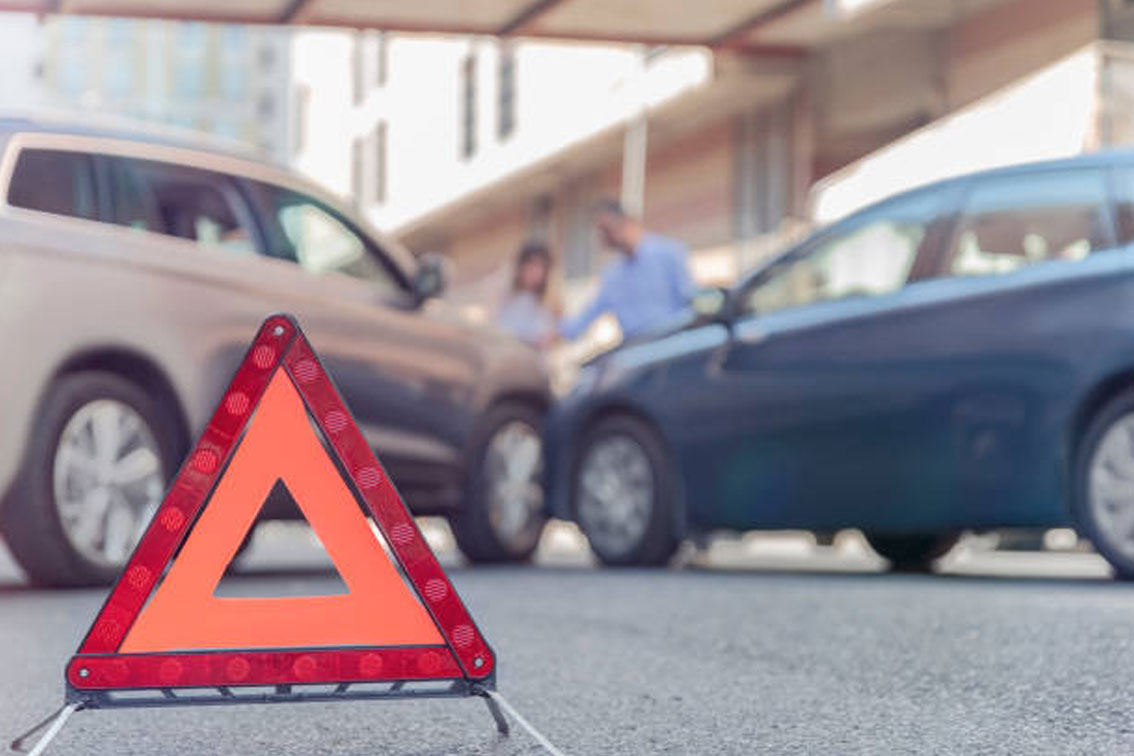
(281, 420)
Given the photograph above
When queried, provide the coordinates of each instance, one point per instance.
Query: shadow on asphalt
(731, 571)
(15, 585)
(948, 578)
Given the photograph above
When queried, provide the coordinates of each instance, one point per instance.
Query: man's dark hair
(610, 206)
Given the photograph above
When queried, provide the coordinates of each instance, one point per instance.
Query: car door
(254, 247)
(812, 397)
(1030, 308)
(410, 379)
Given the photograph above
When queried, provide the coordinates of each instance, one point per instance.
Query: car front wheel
(1104, 501)
(503, 516)
(95, 472)
(624, 494)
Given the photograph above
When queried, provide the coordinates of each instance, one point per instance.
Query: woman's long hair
(533, 251)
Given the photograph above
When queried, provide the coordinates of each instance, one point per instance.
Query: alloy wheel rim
(1111, 486)
(513, 471)
(615, 494)
(107, 479)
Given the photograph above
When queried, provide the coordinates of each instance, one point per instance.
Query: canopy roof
(745, 24)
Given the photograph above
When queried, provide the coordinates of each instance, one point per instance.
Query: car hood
(441, 311)
(683, 320)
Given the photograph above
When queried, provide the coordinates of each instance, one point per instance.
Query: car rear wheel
(503, 516)
(624, 494)
(912, 553)
(95, 472)
(1104, 501)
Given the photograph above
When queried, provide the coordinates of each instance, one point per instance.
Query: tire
(912, 553)
(503, 514)
(623, 481)
(1104, 466)
(31, 519)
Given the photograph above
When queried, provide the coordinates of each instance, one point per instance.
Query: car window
(54, 181)
(869, 256)
(1009, 222)
(307, 232)
(1124, 201)
(176, 200)
(131, 205)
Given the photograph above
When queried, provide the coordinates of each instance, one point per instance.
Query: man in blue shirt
(649, 282)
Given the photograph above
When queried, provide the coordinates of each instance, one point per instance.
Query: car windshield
(865, 256)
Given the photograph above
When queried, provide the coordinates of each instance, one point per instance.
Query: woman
(524, 312)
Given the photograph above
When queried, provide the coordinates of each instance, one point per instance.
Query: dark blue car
(957, 357)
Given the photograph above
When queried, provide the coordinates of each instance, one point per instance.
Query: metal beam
(114, 10)
(527, 17)
(738, 35)
(524, 23)
(294, 11)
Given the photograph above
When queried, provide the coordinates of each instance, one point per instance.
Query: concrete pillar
(634, 148)
(634, 144)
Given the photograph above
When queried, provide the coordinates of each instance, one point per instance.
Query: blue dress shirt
(640, 289)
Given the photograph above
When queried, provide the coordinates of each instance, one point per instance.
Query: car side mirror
(429, 281)
(709, 304)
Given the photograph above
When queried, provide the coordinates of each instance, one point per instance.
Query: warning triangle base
(262, 694)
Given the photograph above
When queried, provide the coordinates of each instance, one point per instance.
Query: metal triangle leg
(498, 702)
(494, 709)
(50, 728)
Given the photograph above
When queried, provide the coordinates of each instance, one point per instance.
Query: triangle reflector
(280, 422)
(280, 444)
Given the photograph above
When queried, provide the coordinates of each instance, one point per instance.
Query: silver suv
(133, 273)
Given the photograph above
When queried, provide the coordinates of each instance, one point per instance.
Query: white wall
(22, 43)
(564, 93)
(321, 67)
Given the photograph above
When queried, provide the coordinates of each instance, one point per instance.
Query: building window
(579, 248)
(119, 31)
(356, 66)
(192, 57)
(266, 105)
(763, 175)
(380, 162)
(120, 62)
(266, 57)
(302, 104)
(506, 93)
(232, 68)
(356, 171)
(383, 59)
(468, 106)
(539, 218)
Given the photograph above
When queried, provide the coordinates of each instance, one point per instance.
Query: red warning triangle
(281, 420)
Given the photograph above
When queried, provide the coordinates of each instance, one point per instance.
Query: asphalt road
(762, 646)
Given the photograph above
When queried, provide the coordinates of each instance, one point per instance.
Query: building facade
(230, 82)
(469, 146)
